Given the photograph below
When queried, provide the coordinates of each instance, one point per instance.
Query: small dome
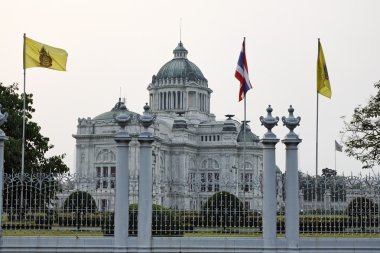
(249, 136)
(180, 67)
(110, 114)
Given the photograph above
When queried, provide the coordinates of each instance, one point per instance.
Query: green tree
(36, 145)
(27, 193)
(361, 135)
(328, 173)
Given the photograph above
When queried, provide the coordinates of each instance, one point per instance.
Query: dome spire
(180, 30)
(180, 51)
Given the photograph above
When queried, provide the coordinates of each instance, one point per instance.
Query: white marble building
(194, 154)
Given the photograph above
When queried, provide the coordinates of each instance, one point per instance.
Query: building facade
(194, 155)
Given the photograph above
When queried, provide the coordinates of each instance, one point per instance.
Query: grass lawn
(51, 232)
(197, 234)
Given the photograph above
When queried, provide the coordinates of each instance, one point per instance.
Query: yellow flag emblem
(323, 81)
(41, 55)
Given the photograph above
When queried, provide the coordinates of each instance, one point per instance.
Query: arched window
(105, 168)
(209, 175)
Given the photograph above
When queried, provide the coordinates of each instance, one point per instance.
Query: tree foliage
(36, 145)
(328, 173)
(361, 135)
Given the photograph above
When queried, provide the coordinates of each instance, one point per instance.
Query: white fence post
(291, 141)
(269, 142)
(146, 138)
(3, 137)
(122, 180)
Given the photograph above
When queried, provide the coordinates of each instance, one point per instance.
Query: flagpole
(316, 151)
(23, 131)
(244, 122)
(245, 103)
(335, 155)
(23, 116)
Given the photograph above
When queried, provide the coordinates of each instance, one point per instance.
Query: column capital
(145, 139)
(123, 137)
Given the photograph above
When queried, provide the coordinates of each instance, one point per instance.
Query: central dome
(110, 115)
(180, 67)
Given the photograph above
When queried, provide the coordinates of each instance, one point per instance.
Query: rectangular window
(113, 171)
(216, 187)
(105, 184)
(203, 182)
(105, 171)
(209, 177)
(104, 205)
(97, 184)
(246, 182)
(112, 184)
(191, 179)
(209, 180)
(98, 171)
(216, 182)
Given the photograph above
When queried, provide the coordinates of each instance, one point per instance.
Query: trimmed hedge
(165, 221)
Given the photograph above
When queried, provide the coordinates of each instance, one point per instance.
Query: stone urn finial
(269, 122)
(123, 118)
(146, 120)
(291, 122)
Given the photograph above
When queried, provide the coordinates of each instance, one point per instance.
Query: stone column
(291, 141)
(145, 183)
(122, 139)
(269, 142)
(3, 137)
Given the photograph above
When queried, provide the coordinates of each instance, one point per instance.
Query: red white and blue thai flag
(241, 74)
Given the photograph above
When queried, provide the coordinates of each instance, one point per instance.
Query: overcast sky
(113, 44)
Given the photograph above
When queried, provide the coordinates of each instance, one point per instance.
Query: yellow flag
(323, 81)
(40, 55)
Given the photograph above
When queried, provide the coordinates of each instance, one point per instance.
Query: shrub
(224, 209)
(80, 201)
(362, 207)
